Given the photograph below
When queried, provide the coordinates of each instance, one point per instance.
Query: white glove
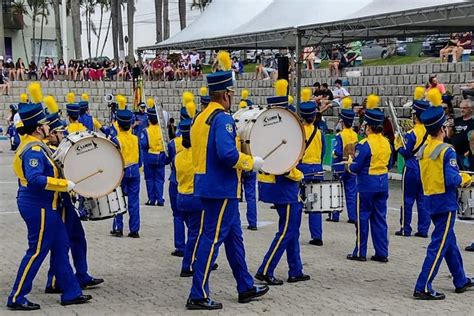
(70, 185)
(257, 163)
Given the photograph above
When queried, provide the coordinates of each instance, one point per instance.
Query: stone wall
(394, 83)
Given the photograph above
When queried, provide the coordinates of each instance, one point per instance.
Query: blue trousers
(131, 188)
(178, 218)
(371, 209)
(46, 232)
(442, 246)
(78, 243)
(287, 238)
(412, 190)
(194, 222)
(249, 180)
(221, 225)
(350, 192)
(155, 181)
(315, 221)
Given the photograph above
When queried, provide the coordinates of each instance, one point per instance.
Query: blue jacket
(142, 119)
(174, 147)
(413, 139)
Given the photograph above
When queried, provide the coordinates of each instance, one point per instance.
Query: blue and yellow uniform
(371, 164)
(187, 203)
(412, 189)
(141, 119)
(131, 153)
(90, 122)
(344, 138)
(440, 178)
(73, 112)
(154, 158)
(37, 199)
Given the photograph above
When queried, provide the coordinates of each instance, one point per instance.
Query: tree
(120, 30)
(106, 36)
(89, 9)
(44, 19)
(104, 6)
(159, 20)
(57, 27)
(182, 13)
(76, 26)
(20, 8)
(166, 21)
(114, 16)
(2, 33)
(130, 17)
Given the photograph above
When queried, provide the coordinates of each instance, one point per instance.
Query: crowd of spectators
(455, 46)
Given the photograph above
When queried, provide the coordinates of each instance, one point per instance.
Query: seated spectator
(465, 42)
(157, 66)
(32, 70)
(434, 83)
(147, 70)
(169, 71)
(468, 92)
(268, 70)
(85, 73)
(451, 48)
(72, 70)
(4, 82)
(308, 57)
(49, 69)
(61, 68)
(194, 58)
(324, 98)
(235, 66)
(197, 70)
(112, 70)
(125, 71)
(10, 70)
(334, 61)
(339, 93)
(188, 69)
(96, 71)
(458, 135)
(20, 69)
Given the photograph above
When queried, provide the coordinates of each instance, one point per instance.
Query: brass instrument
(163, 125)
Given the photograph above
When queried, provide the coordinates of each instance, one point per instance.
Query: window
(48, 49)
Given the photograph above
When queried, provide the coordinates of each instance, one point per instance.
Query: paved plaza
(141, 277)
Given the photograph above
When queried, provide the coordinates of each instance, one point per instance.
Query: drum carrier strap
(213, 115)
(435, 153)
(47, 151)
(425, 137)
(310, 139)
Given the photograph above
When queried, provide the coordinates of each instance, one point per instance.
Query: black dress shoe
(469, 284)
(418, 234)
(351, 221)
(26, 306)
(149, 203)
(81, 299)
(273, 207)
(355, 258)
(257, 291)
(116, 233)
(160, 203)
(177, 253)
(203, 304)
(134, 234)
(250, 227)
(433, 295)
(316, 242)
(401, 233)
(379, 259)
(300, 278)
(469, 248)
(330, 219)
(51, 290)
(270, 280)
(214, 267)
(186, 273)
(92, 283)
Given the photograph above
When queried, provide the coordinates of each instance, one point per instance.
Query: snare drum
(262, 130)
(324, 197)
(466, 203)
(105, 207)
(82, 154)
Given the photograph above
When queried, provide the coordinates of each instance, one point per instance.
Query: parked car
(433, 44)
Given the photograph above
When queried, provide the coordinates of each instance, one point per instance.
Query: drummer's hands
(257, 163)
(466, 179)
(70, 185)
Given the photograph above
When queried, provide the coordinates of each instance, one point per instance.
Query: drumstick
(283, 141)
(319, 173)
(89, 176)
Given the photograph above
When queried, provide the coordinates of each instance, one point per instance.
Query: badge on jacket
(229, 128)
(33, 162)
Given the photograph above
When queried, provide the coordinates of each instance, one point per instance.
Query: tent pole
(299, 62)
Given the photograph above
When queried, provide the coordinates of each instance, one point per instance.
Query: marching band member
(312, 162)
(90, 122)
(216, 163)
(154, 158)
(74, 229)
(249, 178)
(412, 189)
(141, 119)
(440, 178)
(283, 192)
(39, 187)
(131, 153)
(346, 137)
(73, 112)
(204, 92)
(372, 160)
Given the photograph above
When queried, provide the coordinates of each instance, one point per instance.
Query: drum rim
(303, 143)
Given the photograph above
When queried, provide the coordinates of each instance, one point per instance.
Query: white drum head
(86, 157)
(269, 129)
(237, 116)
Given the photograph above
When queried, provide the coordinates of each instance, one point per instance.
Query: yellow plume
(187, 97)
(243, 104)
(419, 93)
(346, 103)
(204, 91)
(23, 98)
(290, 99)
(122, 102)
(373, 101)
(191, 108)
(85, 97)
(150, 102)
(51, 104)
(223, 58)
(434, 96)
(281, 88)
(35, 92)
(70, 97)
(245, 94)
(306, 95)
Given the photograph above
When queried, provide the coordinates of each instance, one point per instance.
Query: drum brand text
(271, 120)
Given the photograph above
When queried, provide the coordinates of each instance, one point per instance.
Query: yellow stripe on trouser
(211, 253)
(38, 248)
(448, 224)
(279, 239)
(403, 201)
(358, 225)
(197, 240)
(63, 217)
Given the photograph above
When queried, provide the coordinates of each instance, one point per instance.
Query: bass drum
(84, 154)
(274, 134)
(237, 116)
(105, 207)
